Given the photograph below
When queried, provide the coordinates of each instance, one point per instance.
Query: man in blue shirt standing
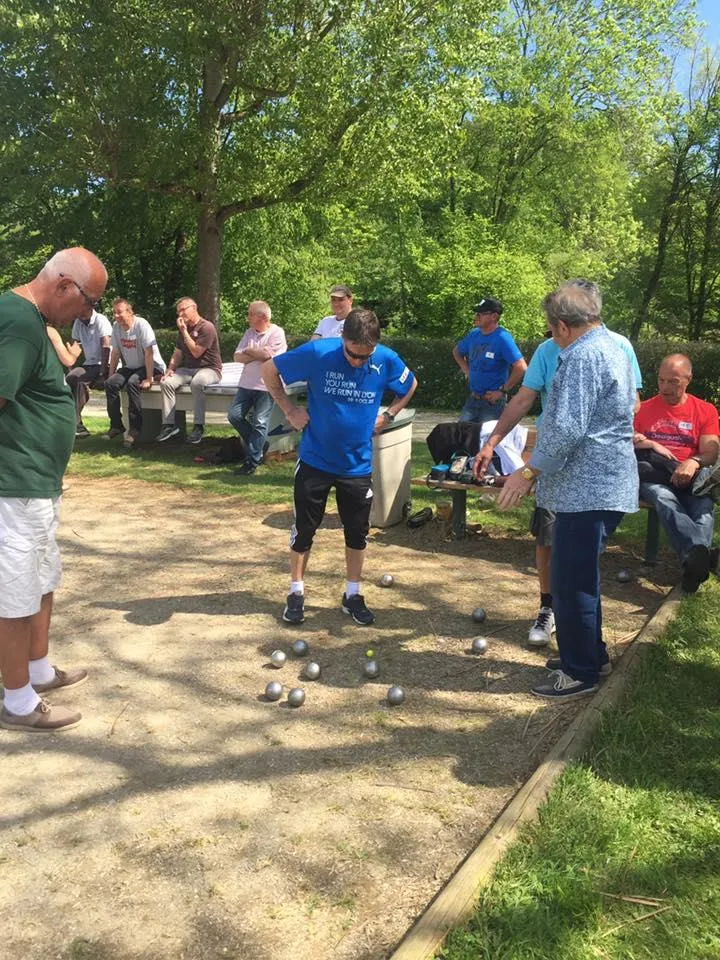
(346, 379)
(588, 477)
(491, 362)
(536, 383)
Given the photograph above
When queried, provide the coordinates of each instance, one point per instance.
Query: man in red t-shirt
(680, 428)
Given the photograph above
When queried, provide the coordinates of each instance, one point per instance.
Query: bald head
(674, 378)
(68, 285)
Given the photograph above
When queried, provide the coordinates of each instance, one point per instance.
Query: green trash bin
(392, 451)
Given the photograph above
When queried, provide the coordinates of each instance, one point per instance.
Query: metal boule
(312, 670)
(387, 580)
(273, 691)
(624, 576)
(296, 697)
(278, 658)
(479, 615)
(479, 645)
(395, 696)
(299, 648)
(371, 669)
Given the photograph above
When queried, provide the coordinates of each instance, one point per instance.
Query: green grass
(639, 817)
(172, 463)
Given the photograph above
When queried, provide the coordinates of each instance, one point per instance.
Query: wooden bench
(459, 492)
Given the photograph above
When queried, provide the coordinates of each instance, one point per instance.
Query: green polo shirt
(37, 424)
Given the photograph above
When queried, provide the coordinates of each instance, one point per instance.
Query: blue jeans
(688, 520)
(480, 411)
(578, 541)
(250, 415)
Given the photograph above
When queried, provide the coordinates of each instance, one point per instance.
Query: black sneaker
(82, 432)
(168, 431)
(355, 606)
(555, 663)
(294, 611)
(197, 433)
(113, 432)
(560, 686)
(246, 470)
(696, 569)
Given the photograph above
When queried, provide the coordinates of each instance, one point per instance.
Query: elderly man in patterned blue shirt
(587, 475)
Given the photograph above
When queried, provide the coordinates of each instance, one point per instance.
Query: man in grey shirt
(93, 334)
(133, 341)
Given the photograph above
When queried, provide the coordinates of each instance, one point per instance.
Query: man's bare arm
(461, 362)
(511, 416)
(296, 416)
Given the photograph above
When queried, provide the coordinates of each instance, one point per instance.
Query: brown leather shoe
(43, 719)
(63, 678)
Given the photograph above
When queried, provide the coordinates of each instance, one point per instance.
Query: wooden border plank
(454, 903)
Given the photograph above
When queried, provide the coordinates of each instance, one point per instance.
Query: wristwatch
(698, 460)
(527, 473)
(388, 416)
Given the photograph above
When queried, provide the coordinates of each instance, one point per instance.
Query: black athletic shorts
(354, 500)
(542, 522)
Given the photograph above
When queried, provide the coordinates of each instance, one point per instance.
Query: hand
(145, 384)
(298, 418)
(482, 461)
(74, 349)
(494, 396)
(515, 488)
(264, 353)
(685, 473)
(181, 325)
(380, 423)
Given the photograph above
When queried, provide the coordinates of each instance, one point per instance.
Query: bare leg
(15, 636)
(40, 628)
(354, 560)
(542, 562)
(298, 563)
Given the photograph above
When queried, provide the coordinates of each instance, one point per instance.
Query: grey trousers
(198, 380)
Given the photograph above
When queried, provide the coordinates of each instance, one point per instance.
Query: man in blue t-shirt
(491, 362)
(536, 383)
(346, 378)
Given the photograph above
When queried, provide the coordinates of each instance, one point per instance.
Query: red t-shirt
(678, 428)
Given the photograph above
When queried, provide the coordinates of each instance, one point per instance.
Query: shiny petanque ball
(273, 691)
(296, 697)
(299, 648)
(278, 658)
(395, 696)
(624, 576)
(312, 670)
(479, 615)
(479, 645)
(371, 669)
(387, 580)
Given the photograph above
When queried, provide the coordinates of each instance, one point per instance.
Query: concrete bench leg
(652, 538)
(459, 514)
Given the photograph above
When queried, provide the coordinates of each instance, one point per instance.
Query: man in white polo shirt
(93, 335)
(341, 300)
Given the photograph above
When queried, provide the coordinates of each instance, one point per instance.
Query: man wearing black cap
(491, 362)
(341, 299)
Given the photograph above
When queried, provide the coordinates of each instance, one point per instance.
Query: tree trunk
(210, 232)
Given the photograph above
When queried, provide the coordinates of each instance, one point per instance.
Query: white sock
(21, 702)
(41, 671)
(352, 587)
(297, 586)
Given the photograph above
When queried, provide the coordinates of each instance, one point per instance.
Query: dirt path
(187, 817)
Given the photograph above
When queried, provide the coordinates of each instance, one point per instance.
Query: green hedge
(442, 386)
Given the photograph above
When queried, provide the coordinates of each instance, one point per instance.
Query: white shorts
(29, 556)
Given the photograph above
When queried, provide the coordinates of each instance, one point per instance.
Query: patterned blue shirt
(585, 451)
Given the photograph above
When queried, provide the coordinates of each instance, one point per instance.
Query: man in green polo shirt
(37, 428)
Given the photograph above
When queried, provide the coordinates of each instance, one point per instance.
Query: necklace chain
(32, 298)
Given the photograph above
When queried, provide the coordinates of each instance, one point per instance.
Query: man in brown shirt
(195, 361)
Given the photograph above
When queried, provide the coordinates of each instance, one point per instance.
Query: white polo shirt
(90, 334)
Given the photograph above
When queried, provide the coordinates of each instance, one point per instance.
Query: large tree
(227, 107)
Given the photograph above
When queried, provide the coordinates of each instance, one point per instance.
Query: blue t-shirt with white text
(489, 357)
(343, 402)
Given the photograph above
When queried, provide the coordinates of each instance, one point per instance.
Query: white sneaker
(542, 630)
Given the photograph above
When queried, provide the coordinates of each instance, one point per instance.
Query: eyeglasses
(357, 356)
(93, 304)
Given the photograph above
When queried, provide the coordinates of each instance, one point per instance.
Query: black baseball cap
(488, 305)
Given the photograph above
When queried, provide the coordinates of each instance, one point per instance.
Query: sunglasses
(93, 304)
(357, 356)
